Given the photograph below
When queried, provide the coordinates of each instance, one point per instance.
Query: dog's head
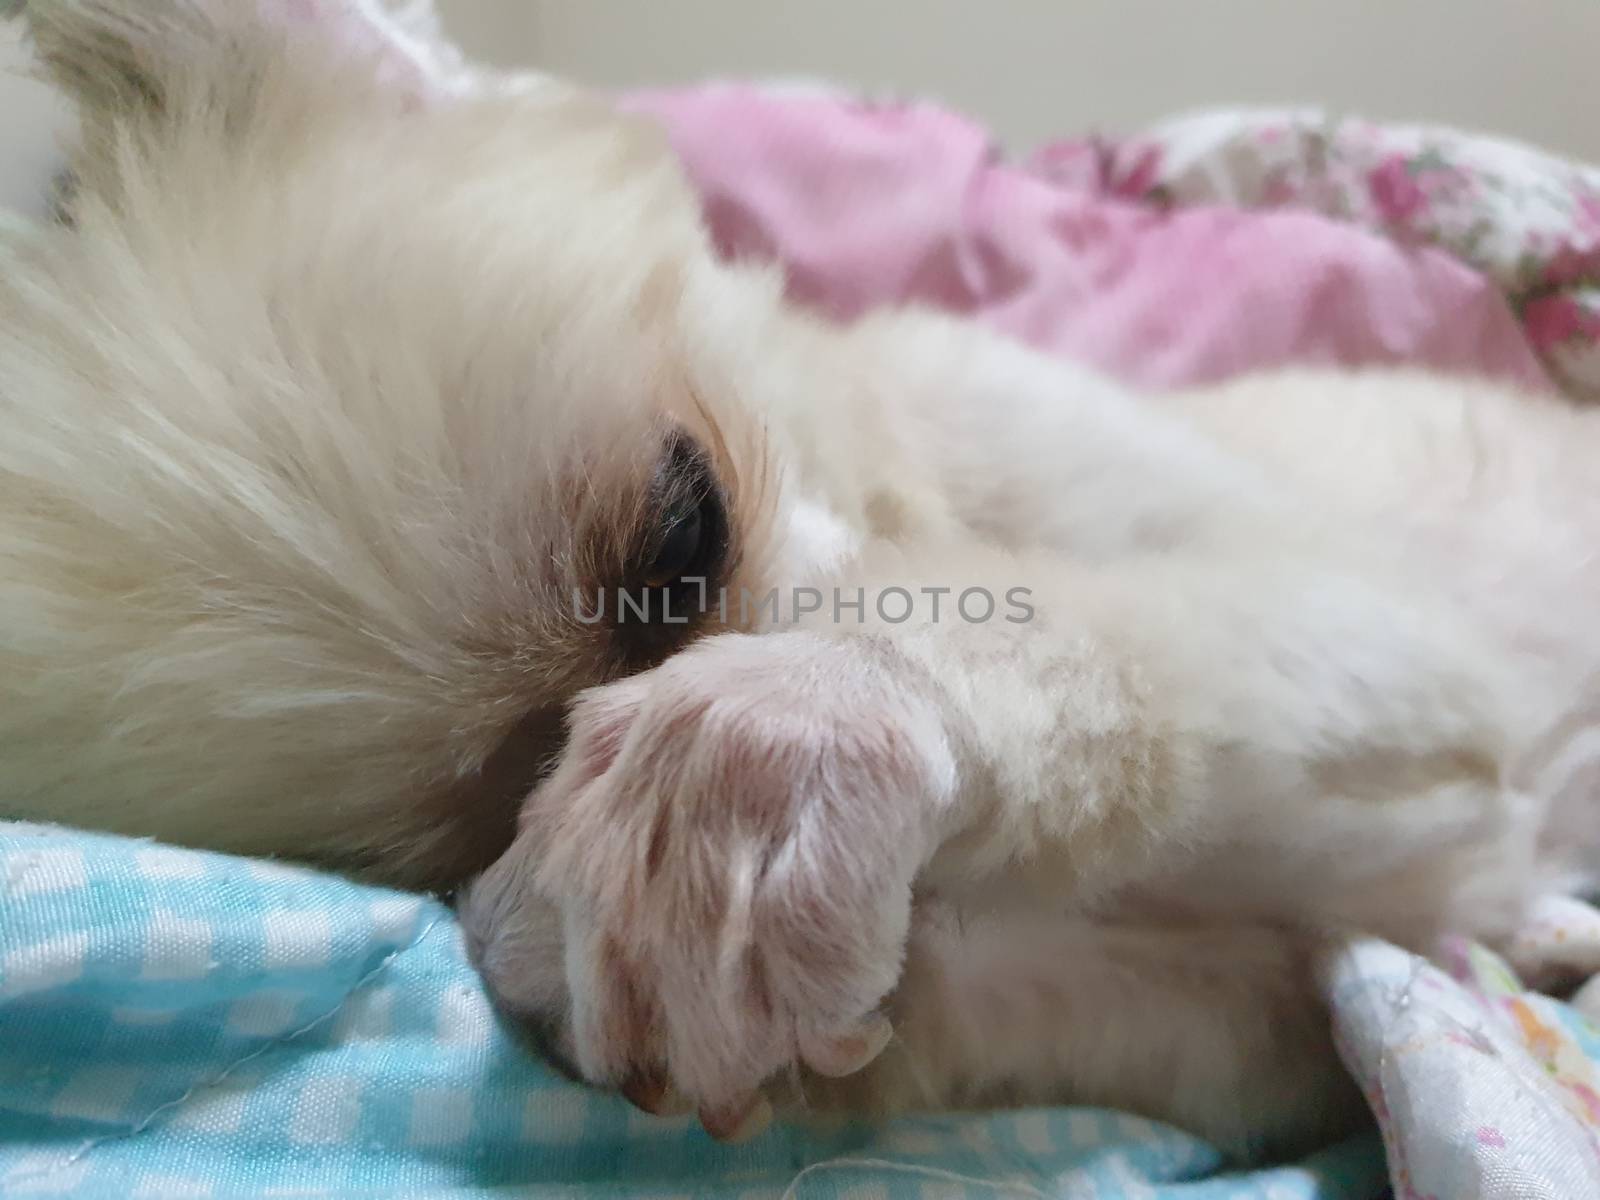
(352, 373)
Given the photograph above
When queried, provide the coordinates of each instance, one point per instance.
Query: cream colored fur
(353, 365)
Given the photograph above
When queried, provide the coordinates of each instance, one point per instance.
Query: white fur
(344, 377)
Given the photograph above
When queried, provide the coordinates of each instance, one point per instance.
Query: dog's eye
(691, 537)
(680, 547)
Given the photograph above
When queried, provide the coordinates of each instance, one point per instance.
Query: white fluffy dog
(354, 373)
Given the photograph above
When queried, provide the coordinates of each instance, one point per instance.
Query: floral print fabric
(1529, 220)
(1482, 1088)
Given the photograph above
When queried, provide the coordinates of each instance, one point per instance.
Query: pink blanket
(867, 204)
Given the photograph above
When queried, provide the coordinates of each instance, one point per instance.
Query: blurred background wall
(1041, 68)
(1038, 68)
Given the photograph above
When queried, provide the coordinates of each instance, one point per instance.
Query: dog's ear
(124, 58)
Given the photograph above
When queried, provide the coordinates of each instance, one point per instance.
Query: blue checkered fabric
(176, 1024)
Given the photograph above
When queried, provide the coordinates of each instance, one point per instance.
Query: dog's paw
(730, 843)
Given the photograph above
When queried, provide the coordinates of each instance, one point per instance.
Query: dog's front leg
(727, 852)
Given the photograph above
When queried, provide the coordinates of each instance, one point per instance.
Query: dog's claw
(648, 1091)
(841, 1056)
(660, 1100)
(738, 1122)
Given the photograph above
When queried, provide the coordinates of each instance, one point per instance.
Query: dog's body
(351, 373)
